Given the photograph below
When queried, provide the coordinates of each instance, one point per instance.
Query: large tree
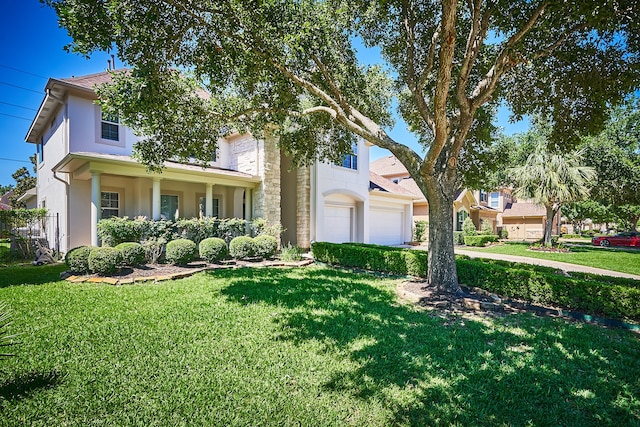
(293, 63)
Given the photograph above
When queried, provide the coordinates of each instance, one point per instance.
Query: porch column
(238, 193)
(208, 210)
(95, 206)
(155, 201)
(247, 204)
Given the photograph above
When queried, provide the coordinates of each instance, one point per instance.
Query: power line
(18, 106)
(21, 87)
(14, 160)
(15, 117)
(23, 71)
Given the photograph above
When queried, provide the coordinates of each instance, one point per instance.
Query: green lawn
(625, 261)
(311, 347)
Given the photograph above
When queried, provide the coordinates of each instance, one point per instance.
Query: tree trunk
(442, 271)
(548, 226)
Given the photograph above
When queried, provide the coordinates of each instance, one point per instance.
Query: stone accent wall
(303, 218)
(267, 196)
(242, 154)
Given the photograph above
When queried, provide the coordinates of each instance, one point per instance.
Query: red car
(628, 238)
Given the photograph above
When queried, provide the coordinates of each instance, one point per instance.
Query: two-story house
(86, 172)
(465, 204)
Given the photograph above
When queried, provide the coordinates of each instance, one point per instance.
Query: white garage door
(386, 227)
(338, 223)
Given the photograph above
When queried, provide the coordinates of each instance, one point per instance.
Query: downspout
(65, 138)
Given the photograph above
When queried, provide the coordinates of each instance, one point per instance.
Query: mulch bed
(160, 272)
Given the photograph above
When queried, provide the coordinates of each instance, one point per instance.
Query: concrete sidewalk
(554, 264)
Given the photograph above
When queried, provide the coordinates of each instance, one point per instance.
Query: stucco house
(465, 203)
(521, 219)
(85, 172)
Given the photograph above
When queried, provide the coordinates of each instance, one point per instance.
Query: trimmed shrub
(77, 259)
(105, 260)
(458, 238)
(242, 247)
(265, 246)
(115, 230)
(132, 253)
(213, 249)
(372, 257)
(480, 239)
(607, 296)
(181, 251)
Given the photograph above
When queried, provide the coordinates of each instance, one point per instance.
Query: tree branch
(445, 59)
(415, 86)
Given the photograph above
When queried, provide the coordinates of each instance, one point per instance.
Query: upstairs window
(109, 204)
(483, 196)
(350, 161)
(495, 200)
(110, 126)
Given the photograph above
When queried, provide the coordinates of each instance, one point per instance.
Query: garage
(338, 223)
(387, 226)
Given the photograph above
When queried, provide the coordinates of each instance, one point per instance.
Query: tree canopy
(294, 64)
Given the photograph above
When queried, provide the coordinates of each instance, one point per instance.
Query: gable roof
(380, 183)
(388, 166)
(520, 209)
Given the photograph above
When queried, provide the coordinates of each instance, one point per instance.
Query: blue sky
(32, 51)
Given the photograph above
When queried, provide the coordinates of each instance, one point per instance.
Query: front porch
(102, 186)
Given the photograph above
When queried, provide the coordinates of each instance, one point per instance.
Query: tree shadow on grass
(30, 274)
(23, 385)
(430, 369)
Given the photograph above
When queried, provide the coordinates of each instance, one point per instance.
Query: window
(460, 217)
(169, 207)
(483, 196)
(109, 204)
(350, 161)
(495, 200)
(110, 127)
(40, 151)
(202, 204)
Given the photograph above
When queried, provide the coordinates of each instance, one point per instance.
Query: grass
(297, 347)
(625, 261)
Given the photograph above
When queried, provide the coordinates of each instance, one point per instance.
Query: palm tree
(552, 179)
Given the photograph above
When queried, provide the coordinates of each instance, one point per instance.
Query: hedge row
(115, 230)
(372, 257)
(609, 296)
(595, 294)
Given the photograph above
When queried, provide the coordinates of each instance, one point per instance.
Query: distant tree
(24, 182)
(615, 154)
(5, 189)
(578, 212)
(551, 178)
(293, 63)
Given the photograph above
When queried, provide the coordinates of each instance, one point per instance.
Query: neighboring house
(522, 220)
(5, 201)
(85, 172)
(29, 198)
(465, 203)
